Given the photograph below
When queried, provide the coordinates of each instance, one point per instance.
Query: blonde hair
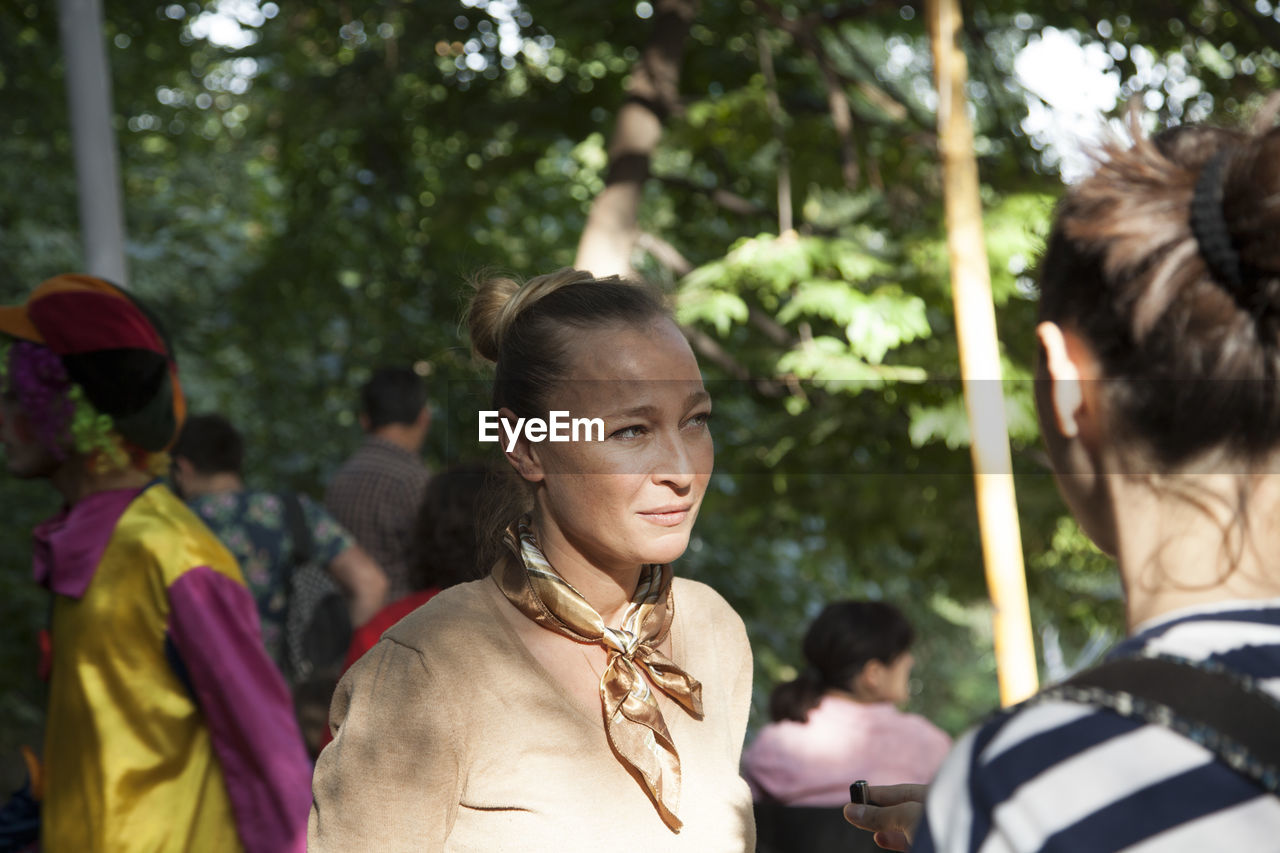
(499, 301)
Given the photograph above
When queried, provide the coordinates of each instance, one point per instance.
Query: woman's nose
(677, 464)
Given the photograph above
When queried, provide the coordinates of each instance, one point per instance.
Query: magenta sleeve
(213, 625)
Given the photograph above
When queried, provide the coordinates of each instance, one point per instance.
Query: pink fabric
(214, 627)
(68, 547)
(812, 763)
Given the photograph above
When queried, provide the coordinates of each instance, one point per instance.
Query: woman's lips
(667, 516)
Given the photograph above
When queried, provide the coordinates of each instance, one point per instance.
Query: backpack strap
(299, 534)
(1223, 711)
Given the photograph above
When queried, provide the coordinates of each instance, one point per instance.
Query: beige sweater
(450, 736)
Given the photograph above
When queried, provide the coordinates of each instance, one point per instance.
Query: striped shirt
(1063, 776)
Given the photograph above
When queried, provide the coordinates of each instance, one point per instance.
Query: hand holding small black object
(858, 793)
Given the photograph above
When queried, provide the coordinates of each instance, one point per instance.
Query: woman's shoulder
(701, 608)
(1099, 775)
(698, 597)
(1032, 758)
(457, 615)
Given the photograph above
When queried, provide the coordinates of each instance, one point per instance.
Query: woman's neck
(1190, 539)
(860, 695)
(607, 589)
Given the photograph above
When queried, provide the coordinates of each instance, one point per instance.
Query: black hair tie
(1209, 225)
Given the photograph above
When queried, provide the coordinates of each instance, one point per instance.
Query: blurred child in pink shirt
(838, 721)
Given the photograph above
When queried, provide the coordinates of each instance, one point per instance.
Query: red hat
(113, 347)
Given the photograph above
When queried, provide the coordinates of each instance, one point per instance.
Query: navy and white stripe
(1061, 776)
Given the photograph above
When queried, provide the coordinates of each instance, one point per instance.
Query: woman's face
(633, 497)
(897, 686)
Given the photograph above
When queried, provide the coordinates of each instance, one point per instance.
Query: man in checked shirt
(377, 493)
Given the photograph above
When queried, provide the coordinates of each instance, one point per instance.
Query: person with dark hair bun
(579, 697)
(838, 720)
(1158, 393)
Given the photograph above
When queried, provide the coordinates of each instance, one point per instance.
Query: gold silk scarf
(632, 719)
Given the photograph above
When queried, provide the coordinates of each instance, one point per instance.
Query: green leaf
(717, 307)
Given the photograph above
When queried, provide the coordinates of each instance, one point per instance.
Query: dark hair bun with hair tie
(1167, 260)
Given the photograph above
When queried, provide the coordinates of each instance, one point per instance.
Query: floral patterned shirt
(254, 528)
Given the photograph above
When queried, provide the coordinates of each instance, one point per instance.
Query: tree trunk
(653, 93)
(980, 362)
(778, 119)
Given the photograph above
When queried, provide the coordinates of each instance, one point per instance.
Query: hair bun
(484, 313)
(499, 301)
(1251, 210)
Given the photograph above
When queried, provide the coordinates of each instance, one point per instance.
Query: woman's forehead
(656, 352)
(629, 397)
(623, 370)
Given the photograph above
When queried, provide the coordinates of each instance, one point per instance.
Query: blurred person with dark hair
(376, 493)
(445, 551)
(168, 728)
(208, 461)
(838, 720)
(1157, 396)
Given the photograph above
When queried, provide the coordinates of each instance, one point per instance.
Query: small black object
(858, 793)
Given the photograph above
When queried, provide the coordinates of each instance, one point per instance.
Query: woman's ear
(523, 456)
(869, 681)
(1071, 405)
(1072, 372)
(1065, 395)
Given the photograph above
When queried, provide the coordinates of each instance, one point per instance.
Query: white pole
(97, 165)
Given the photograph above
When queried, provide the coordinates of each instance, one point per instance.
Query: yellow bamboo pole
(980, 362)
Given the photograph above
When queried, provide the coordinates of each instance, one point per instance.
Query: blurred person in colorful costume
(168, 727)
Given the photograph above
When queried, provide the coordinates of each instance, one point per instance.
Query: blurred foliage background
(308, 186)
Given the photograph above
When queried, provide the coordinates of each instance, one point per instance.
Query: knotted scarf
(632, 719)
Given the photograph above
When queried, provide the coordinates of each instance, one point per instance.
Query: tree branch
(883, 95)
(837, 101)
(653, 92)
(671, 258)
(772, 329)
(730, 201)
(664, 253)
(777, 117)
(707, 348)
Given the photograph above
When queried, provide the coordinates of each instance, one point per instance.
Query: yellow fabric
(128, 756)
